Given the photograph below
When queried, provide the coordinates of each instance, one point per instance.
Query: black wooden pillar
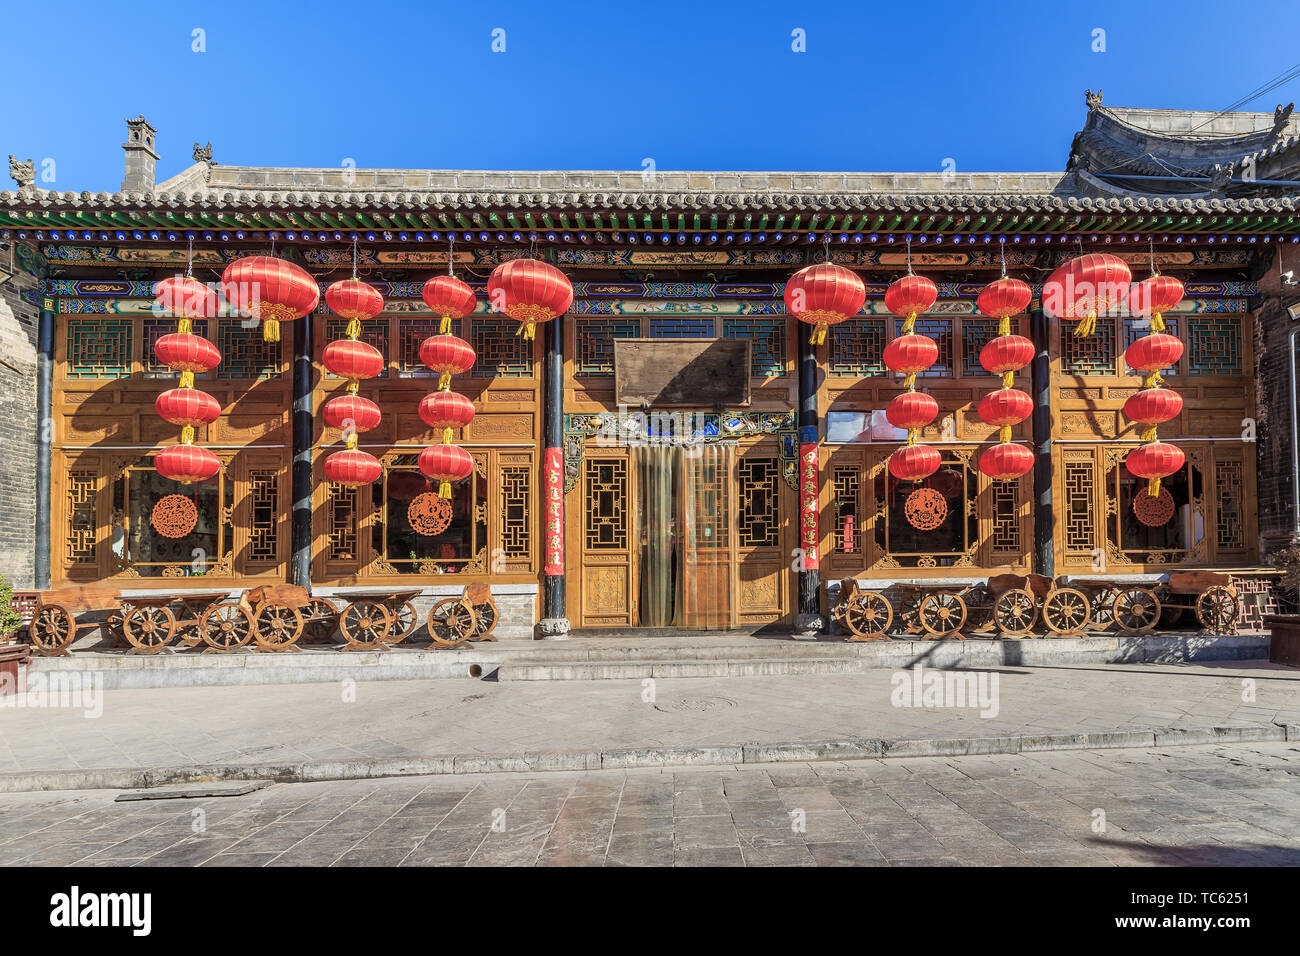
(808, 619)
(44, 442)
(303, 426)
(555, 623)
(1040, 372)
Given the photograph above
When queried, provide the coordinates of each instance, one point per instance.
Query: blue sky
(691, 85)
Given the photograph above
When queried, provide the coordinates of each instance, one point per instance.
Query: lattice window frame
(1205, 335)
(756, 472)
(767, 342)
(594, 339)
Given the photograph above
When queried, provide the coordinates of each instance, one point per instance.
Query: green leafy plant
(10, 620)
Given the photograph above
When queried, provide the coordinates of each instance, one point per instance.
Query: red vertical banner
(553, 509)
(808, 537)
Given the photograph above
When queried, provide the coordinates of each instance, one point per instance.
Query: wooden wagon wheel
(909, 611)
(1217, 609)
(451, 622)
(1136, 610)
(320, 617)
(868, 615)
(1066, 610)
(276, 626)
(1101, 611)
(225, 627)
(149, 628)
(1015, 612)
(942, 614)
(52, 629)
(487, 619)
(404, 621)
(979, 608)
(365, 624)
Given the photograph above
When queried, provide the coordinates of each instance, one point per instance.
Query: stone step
(641, 669)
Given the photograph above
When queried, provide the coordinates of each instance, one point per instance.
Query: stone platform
(675, 655)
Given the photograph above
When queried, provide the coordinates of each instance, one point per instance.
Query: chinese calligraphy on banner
(808, 505)
(553, 492)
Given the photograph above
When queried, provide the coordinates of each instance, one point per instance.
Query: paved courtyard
(1214, 805)
(282, 724)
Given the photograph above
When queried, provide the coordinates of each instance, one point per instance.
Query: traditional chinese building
(682, 508)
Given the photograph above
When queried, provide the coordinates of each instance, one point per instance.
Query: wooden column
(44, 442)
(303, 426)
(808, 619)
(554, 625)
(1040, 329)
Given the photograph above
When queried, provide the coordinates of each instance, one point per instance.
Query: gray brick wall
(18, 427)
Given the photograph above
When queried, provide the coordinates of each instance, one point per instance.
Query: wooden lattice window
(244, 353)
(681, 327)
(595, 341)
(605, 504)
(1213, 346)
(1080, 520)
(399, 549)
(1006, 517)
(1229, 530)
(516, 510)
(975, 334)
(501, 351)
(98, 347)
(858, 347)
(953, 542)
(760, 503)
(81, 499)
(1088, 354)
(1136, 328)
(373, 332)
(847, 533)
(766, 342)
(412, 330)
(138, 546)
(941, 331)
(342, 523)
(263, 512)
(155, 327)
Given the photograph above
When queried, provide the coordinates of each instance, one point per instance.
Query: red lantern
(351, 358)
(187, 353)
(1154, 296)
(822, 295)
(361, 412)
(1154, 352)
(269, 289)
(354, 300)
(1085, 286)
(1006, 406)
(911, 410)
(910, 296)
(1003, 298)
(186, 463)
(187, 406)
(185, 297)
(1004, 462)
(529, 291)
(1153, 406)
(352, 468)
(445, 464)
(914, 462)
(1155, 460)
(1007, 353)
(911, 353)
(446, 410)
(449, 298)
(447, 355)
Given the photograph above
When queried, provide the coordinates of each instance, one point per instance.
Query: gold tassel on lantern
(909, 323)
(184, 326)
(270, 330)
(444, 326)
(187, 378)
(444, 381)
(446, 436)
(444, 490)
(187, 435)
(1087, 326)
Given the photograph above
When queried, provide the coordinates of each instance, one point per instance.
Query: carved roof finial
(1092, 99)
(203, 154)
(1281, 116)
(24, 174)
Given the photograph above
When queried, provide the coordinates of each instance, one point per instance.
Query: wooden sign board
(700, 373)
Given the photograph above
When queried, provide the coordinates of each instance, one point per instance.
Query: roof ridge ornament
(1092, 99)
(24, 173)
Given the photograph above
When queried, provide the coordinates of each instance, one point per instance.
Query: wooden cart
(934, 610)
(374, 620)
(54, 621)
(1138, 606)
(149, 624)
(453, 621)
(485, 610)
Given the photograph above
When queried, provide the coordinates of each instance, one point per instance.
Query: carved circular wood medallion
(1153, 512)
(429, 515)
(925, 509)
(174, 516)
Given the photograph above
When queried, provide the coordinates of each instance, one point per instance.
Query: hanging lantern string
(908, 240)
(451, 253)
(826, 248)
(1002, 244)
(189, 257)
(354, 258)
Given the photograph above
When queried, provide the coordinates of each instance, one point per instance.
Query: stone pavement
(1215, 805)
(284, 724)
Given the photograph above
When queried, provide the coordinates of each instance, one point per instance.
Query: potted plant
(13, 656)
(1284, 640)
